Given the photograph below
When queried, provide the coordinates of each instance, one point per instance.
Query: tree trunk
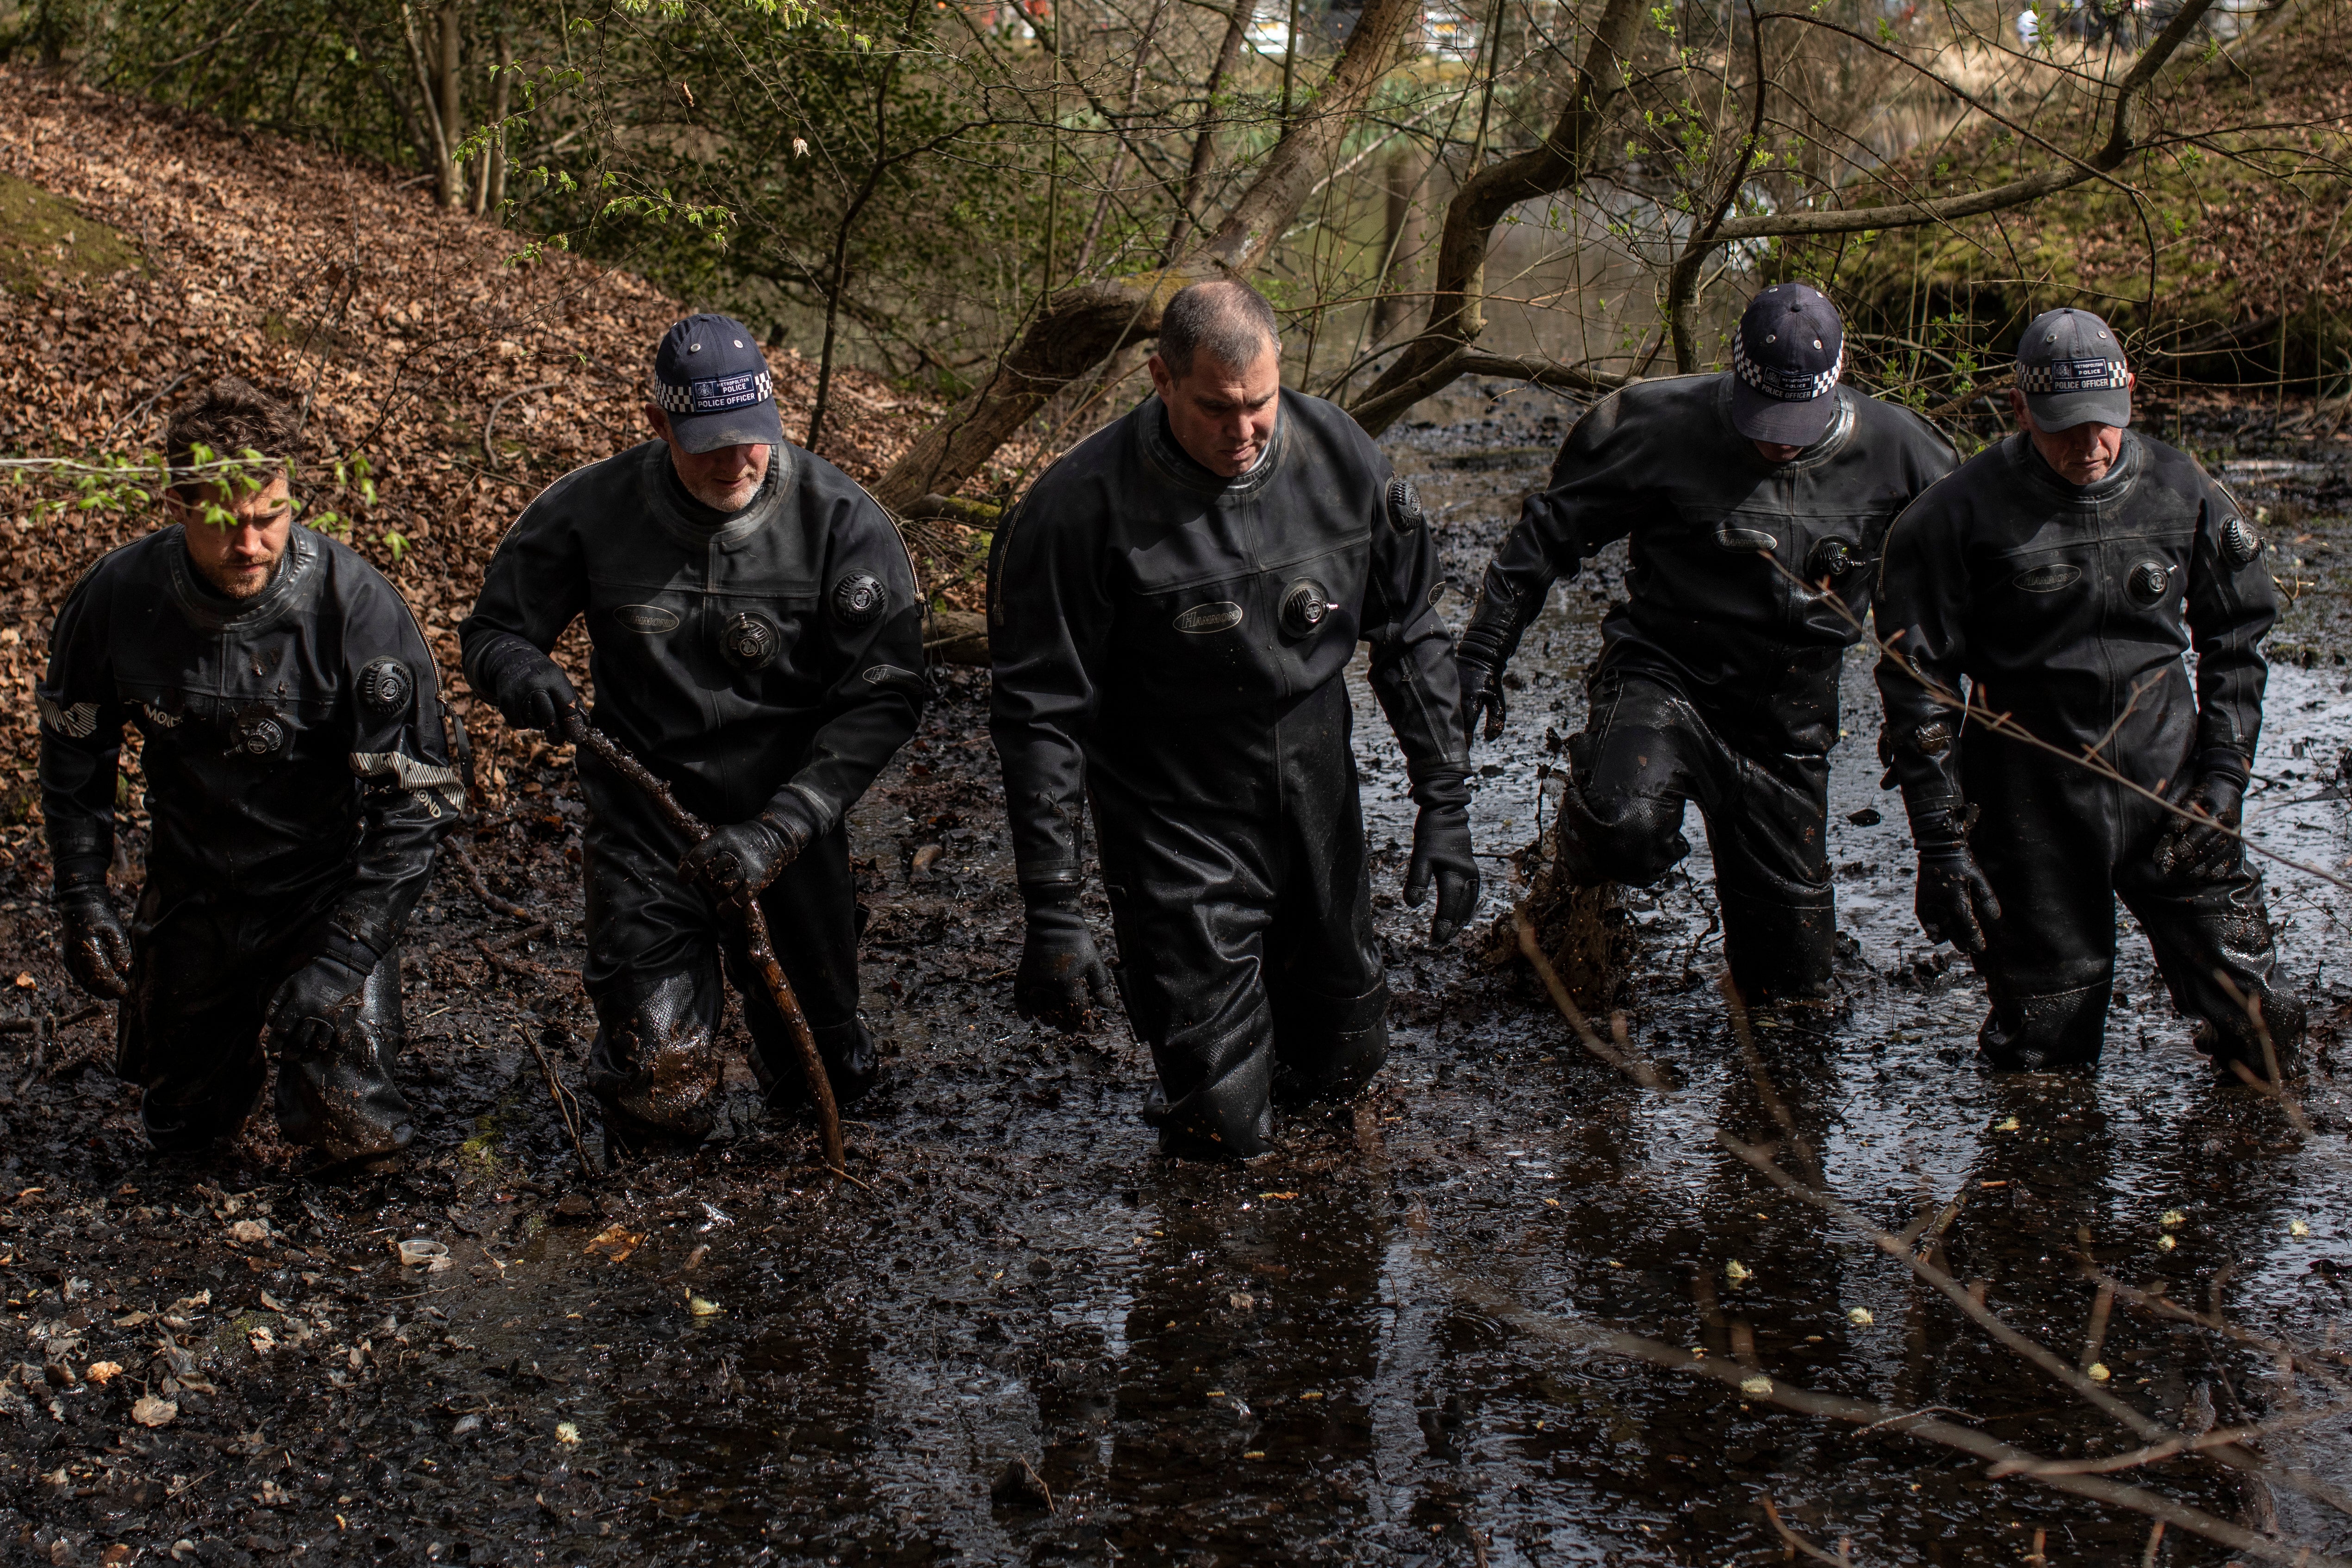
(449, 103)
(1204, 145)
(1401, 242)
(490, 187)
(428, 109)
(1118, 156)
(1082, 325)
(1457, 311)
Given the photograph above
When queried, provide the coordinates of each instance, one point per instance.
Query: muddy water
(1287, 1364)
(1306, 1363)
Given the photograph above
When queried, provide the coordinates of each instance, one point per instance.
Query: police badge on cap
(2072, 372)
(1785, 365)
(712, 381)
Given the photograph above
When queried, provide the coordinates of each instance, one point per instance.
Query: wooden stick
(1763, 1389)
(780, 990)
(613, 754)
(481, 889)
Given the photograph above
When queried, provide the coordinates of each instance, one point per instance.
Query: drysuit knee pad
(1637, 843)
(655, 1065)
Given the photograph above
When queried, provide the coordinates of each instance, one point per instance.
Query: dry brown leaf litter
(400, 326)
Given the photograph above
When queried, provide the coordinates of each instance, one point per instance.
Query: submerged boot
(851, 1064)
(341, 1102)
(2046, 1034)
(1227, 1115)
(2233, 1038)
(1328, 1048)
(1780, 954)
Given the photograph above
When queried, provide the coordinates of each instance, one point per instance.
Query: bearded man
(297, 784)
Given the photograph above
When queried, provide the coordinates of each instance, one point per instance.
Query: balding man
(1171, 611)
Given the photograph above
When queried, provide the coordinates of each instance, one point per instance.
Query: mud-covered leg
(1191, 903)
(653, 974)
(1324, 979)
(1328, 1048)
(1770, 840)
(189, 1033)
(654, 1067)
(2206, 931)
(341, 1100)
(1620, 814)
(2049, 960)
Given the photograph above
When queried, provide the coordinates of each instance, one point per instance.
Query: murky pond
(1026, 1337)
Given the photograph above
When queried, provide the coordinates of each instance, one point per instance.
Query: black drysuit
(2071, 609)
(1717, 679)
(1171, 643)
(298, 782)
(778, 650)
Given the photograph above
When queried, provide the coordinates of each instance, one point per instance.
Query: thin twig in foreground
(1737, 1005)
(2145, 1427)
(1798, 1543)
(2001, 724)
(2276, 1087)
(1627, 1062)
(565, 1103)
(1759, 1389)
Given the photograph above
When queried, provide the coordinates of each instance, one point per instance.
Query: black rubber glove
(314, 1005)
(741, 859)
(1483, 649)
(529, 691)
(1441, 848)
(2202, 851)
(1482, 692)
(1955, 902)
(1062, 977)
(91, 937)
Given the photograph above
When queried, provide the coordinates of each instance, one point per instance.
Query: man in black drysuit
(2063, 574)
(289, 719)
(1750, 497)
(1171, 611)
(757, 643)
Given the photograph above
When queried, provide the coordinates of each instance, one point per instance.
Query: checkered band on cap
(715, 394)
(1784, 385)
(2073, 375)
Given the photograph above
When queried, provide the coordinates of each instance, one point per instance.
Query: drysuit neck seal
(1163, 452)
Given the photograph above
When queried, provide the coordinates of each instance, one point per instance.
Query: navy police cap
(712, 381)
(2072, 370)
(1785, 365)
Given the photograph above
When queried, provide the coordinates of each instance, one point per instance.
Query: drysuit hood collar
(1164, 453)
